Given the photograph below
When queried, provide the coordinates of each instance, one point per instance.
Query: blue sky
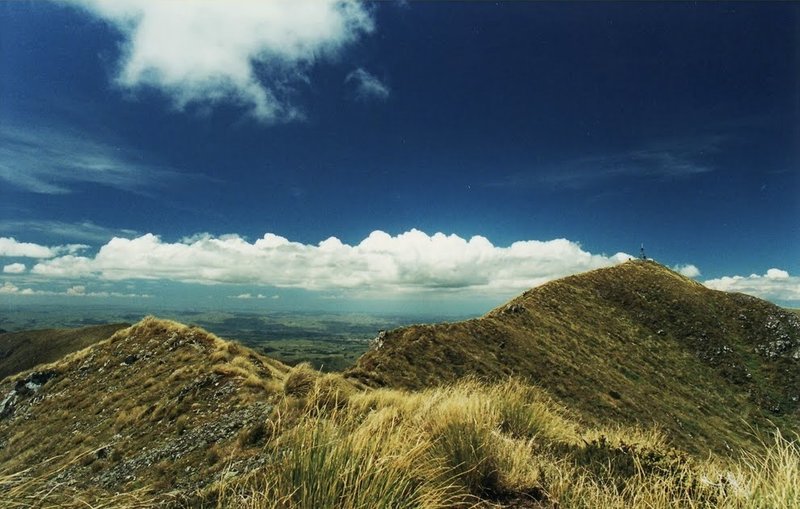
(458, 153)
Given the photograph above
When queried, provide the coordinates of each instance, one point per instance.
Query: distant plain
(329, 341)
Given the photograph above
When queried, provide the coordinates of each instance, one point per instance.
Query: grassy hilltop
(455, 415)
(635, 344)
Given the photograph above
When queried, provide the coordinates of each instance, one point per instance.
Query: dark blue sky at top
(676, 125)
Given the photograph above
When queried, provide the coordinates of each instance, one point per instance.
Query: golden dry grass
(325, 443)
(490, 445)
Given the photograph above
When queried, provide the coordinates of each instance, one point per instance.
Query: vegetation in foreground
(325, 443)
(476, 445)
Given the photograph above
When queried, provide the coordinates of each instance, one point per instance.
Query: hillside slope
(635, 344)
(25, 349)
(154, 406)
(165, 415)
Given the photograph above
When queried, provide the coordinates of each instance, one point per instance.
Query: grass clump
(324, 465)
(770, 478)
(527, 411)
(461, 427)
(331, 392)
(300, 380)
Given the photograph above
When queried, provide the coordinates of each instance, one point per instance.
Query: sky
(392, 156)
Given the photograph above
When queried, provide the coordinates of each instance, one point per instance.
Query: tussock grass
(323, 442)
(300, 380)
(488, 445)
(769, 479)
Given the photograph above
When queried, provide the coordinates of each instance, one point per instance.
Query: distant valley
(328, 341)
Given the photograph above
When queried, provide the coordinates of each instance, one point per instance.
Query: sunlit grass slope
(164, 415)
(636, 344)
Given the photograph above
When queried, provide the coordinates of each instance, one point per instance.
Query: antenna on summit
(642, 256)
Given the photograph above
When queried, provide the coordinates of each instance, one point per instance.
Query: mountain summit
(635, 343)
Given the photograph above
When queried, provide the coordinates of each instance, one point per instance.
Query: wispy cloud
(82, 231)
(775, 284)
(51, 161)
(412, 262)
(663, 161)
(252, 53)
(367, 86)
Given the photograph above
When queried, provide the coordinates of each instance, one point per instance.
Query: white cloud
(9, 246)
(777, 274)
(776, 284)
(12, 289)
(8, 288)
(367, 86)
(248, 296)
(14, 268)
(74, 291)
(687, 270)
(409, 262)
(253, 53)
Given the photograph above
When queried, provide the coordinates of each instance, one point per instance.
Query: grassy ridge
(633, 344)
(196, 421)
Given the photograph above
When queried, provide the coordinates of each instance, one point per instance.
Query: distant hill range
(636, 344)
(23, 350)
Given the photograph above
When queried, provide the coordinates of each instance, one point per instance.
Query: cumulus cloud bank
(776, 284)
(410, 262)
(252, 53)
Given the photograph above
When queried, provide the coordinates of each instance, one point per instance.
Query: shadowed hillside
(636, 344)
(23, 350)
